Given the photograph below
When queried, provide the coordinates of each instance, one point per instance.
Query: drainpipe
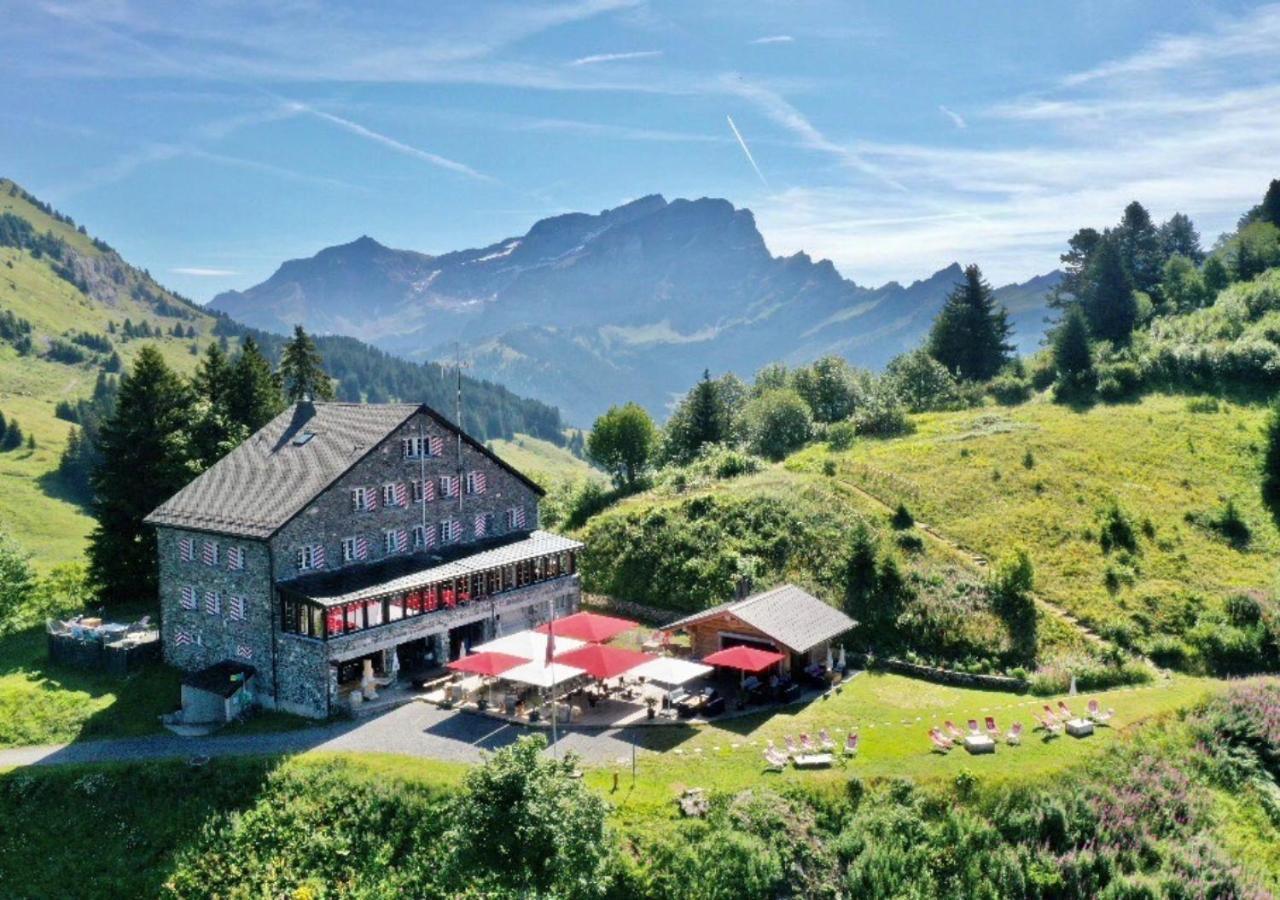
(275, 611)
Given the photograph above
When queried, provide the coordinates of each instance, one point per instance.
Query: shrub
(1203, 405)
(777, 423)
(882, 415)
(841, 435)
(902, 517)
(1116, 529)
(910, 542)
(1118, 381)
(1010, 390)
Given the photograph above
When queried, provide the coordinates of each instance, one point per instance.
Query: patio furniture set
(808, 753)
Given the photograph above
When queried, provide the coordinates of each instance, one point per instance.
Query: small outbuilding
(784, 620)
(217, 694)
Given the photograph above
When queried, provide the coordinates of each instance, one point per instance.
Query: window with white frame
(395, 540)
(363, 499)
(477, 483)
(424, 491)
(449, 485)
(311, 556)
(411, 447)
(424, 536)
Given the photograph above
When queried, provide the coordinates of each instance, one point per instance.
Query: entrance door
(465, 635)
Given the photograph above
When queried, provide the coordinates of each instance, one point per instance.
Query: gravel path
(414, 729)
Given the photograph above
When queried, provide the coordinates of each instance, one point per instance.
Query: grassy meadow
(1039, 475)
(544, 461)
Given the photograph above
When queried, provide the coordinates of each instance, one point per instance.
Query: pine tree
(253, 392)
(701, 418)
(1271, 464)
(1139, 245)
(302, 369)
(1075, 264)
(971, 333)
(1269, 211)
(1071, 356)
(1178, 237)
(12, 439)
(1110, 307)
(145, 459)
(215, 432)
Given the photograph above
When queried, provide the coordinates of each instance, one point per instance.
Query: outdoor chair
(1049, 714)
(807, 743)
(1050, 725)
(992, 730)
(791, 745)
(776, 760)
(851, 744)
(824, 738)
(1097, 715)
(974, 731)
(1065, 712)
(1014, 737)
(956, 733)
(940, 741)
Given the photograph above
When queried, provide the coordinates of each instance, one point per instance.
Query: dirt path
(980, 563)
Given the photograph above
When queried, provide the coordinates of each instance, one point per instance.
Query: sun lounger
(973, 727)
(992, 730)
(1049, 724)
(824, 738)
(955, 733)
(776, 759)
(1049, 714)
(940, 741)
(792, 747)
(1064, 712)
(807, 743)
(851, 744)
(1014, 737)
(1097, 715)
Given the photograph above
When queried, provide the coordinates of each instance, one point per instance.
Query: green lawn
(544, 461)
(966, 474)
(892, 714)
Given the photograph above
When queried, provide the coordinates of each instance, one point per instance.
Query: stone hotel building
(343, 533)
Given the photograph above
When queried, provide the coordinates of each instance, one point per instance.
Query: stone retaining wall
(943, 676)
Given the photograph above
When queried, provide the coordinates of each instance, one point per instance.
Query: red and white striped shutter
(182, 638)
(481, 483)
(317, 556)
(402, 540)
(244, 652)
(402, 494)
(186, 549)
(212, 602)
(235, 609)
(362, 547)
(188, 597)
(209, 553)
(519, 516)
(480, 525)
(435, 445)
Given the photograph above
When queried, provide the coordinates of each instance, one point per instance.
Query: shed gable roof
(262, 484)
(791, 616)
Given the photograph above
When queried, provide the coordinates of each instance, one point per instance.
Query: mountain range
(630, 304)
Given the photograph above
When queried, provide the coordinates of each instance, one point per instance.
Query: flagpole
(551, 667)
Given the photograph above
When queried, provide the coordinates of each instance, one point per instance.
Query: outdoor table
(1079, 728)
(979, 743)
(813, 760)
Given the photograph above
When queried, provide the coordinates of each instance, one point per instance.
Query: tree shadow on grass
(53, 485)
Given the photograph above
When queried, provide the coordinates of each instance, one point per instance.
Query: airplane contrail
(747, 150)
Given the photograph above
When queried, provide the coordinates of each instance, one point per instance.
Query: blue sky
(209, 142)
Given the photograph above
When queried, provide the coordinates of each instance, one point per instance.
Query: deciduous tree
(622, 441)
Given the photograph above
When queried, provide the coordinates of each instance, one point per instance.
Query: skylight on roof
(303, 438)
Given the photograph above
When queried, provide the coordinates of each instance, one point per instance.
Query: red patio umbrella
(490, 664)
(589, 626)
(601, 661)
(744, 658)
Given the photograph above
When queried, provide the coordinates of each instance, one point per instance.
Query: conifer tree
(971, 333)
(13, 436)
(1071, 357)
(145, 459)
(302, 369)
(253, 392)
(1139, 245)
(1075, 264)
(1110, 307)
(1178, 237)
(214, 432)
(700, 418)
(1269, 211)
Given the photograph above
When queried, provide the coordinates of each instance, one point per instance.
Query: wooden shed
(785, 619)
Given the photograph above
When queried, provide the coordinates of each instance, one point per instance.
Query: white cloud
(773, 39)
(202, 272)
(955, 117)
(1240, 37)
(747, 150)
(615, 57)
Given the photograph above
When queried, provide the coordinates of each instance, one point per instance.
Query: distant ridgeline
(363, 372)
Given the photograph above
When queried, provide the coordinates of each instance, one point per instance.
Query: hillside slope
(74, 295)
(632, 303)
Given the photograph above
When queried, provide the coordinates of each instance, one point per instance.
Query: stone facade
(331, 518)
(237, 612)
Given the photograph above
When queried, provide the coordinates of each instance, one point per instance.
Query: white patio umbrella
(830, 662)
(841, 662)
(540, 675)
(669, 670)
(527, 644)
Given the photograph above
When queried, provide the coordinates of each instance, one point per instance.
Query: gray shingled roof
(792, 617)
(407, 573)
(266, 481)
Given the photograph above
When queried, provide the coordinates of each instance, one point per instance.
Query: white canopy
(527, 645)
(540, 675)
(669, 670)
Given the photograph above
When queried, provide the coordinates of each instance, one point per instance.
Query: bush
(778, 422)
(902, 517)
(1118, 381)
(909, 542)
(1116, 529)
(841, 435)
(882, 415)
(1010, 390)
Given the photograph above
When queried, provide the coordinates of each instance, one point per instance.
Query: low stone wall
(943, 676)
